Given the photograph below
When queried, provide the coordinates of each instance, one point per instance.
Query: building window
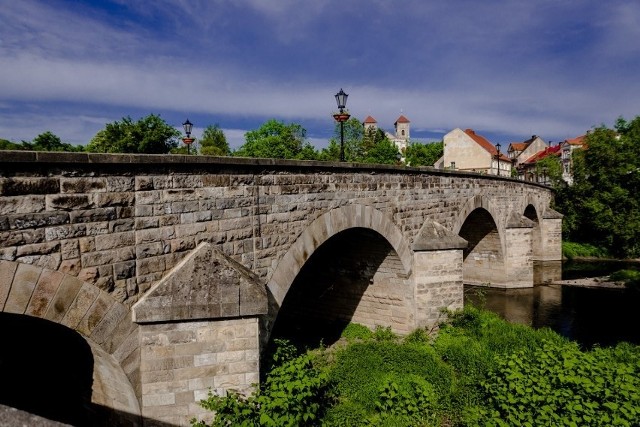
(453, 165)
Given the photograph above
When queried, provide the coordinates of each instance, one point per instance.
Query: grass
(573, 250)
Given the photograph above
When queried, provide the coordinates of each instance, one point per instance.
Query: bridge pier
(437, 264)
(518, 257)
(199, 331)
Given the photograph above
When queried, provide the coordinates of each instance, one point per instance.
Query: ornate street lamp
(341, 99)
(498, 156)
(187, 129)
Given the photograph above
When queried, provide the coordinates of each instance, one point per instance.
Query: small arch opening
(483, 258)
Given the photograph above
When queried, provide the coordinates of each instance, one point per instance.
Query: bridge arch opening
(52, 371)
(354, 276)
(483, 259)
(531, 213)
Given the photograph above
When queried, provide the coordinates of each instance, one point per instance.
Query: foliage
(214, 142)
(602, 207)
(424, 154)
(293, 394)
(5, 144)
(557, 384)
(371, 146)
(631, 278)
(355, 331)
(573, 250)
(354, 149)
(150, 134)
(479, 370)
(277, 140)
(550, 167)
(383, 152)
(46, 141)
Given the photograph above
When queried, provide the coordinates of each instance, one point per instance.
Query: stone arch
(533, 214)
(323, 228)
(484, 257)
(479, 202)
(104, 323)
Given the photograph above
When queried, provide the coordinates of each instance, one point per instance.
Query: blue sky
(507, 69)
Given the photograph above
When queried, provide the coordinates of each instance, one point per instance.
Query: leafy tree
(383, 152)
(47, 141)
(275, 139)
(5, 144)
(424, 154)
(354, 147)
(214, 142)
(602, 206)
(150, 134)
(551, 168)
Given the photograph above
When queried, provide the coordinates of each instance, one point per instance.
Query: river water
(590, 316)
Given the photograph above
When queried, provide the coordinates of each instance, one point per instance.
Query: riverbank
(591, 282)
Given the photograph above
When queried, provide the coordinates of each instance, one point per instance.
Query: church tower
(370, 124)
(402, 126)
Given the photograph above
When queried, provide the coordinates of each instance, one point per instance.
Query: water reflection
(587, 315)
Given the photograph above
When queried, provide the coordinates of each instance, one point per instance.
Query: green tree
(418, 154)
(5, 144)
(275, 139)
(551, 168)
(47, 141)
(383, 152)
(602, 206)
(214, 142)
(354, 147)
(150, 134)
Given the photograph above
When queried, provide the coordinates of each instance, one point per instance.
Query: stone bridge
(151, 279)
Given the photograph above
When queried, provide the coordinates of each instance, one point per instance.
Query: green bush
(355, 331)
(294, 394)
(573, 250)
(479, 370)
(557, 384)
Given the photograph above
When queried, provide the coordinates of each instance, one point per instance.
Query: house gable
(463, 149)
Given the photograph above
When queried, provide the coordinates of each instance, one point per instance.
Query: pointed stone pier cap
(207, 284)
(435, 237)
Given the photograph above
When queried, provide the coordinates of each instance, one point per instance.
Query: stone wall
(181, 363)
(121, 222)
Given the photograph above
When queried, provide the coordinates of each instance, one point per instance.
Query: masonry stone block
(46, 288)
(24, 282)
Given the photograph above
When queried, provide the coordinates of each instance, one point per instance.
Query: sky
(508, 69)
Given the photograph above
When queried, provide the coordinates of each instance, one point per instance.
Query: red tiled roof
(518, 146)
(484, 143)
(579, 140)
(549, 151)
(402, 119)
(370, 119)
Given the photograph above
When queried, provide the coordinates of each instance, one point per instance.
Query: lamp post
(341, 99)
(498, 157)
(187, 129)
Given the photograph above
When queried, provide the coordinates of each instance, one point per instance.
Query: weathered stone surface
(7, 271)
(205, 285)
(434, 236)
(24, 282)
(22, 186)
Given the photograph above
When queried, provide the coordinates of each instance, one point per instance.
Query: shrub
(355, 331)
(574, 250)
(557, 384)
(294, 394)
